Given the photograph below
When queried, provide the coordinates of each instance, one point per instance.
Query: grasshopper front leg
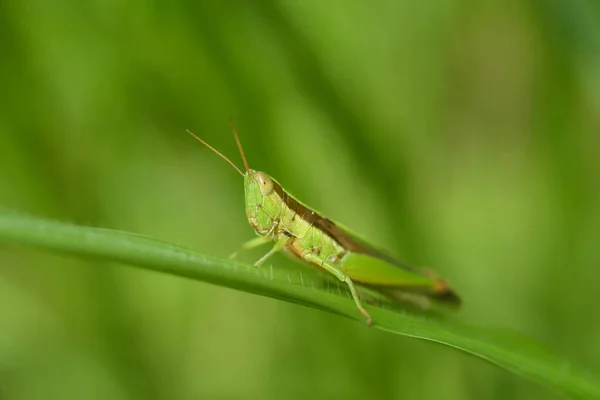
(250, 244)
(279, 244)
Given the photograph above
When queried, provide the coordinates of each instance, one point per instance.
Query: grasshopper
(308, 236)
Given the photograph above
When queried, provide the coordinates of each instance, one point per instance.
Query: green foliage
(461, 136)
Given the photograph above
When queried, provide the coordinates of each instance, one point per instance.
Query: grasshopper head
(263, 194)
(263, 203)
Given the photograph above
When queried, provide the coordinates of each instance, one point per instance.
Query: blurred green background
(463, 136)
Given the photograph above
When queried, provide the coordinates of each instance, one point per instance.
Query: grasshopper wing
(397, 281)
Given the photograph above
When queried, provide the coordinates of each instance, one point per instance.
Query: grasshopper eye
(265, 183)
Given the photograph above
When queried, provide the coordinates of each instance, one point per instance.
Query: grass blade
(509, 351)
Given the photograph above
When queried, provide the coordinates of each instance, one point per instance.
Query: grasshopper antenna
(237, 140)
(219, 153)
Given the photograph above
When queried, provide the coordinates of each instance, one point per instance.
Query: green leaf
(507, 350)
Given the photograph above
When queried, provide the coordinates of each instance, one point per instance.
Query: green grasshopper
(303, 233)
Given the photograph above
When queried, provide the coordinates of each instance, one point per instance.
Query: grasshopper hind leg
(341, 275)
(357, 301)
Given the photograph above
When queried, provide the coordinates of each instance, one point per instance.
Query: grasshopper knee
(312, 258)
